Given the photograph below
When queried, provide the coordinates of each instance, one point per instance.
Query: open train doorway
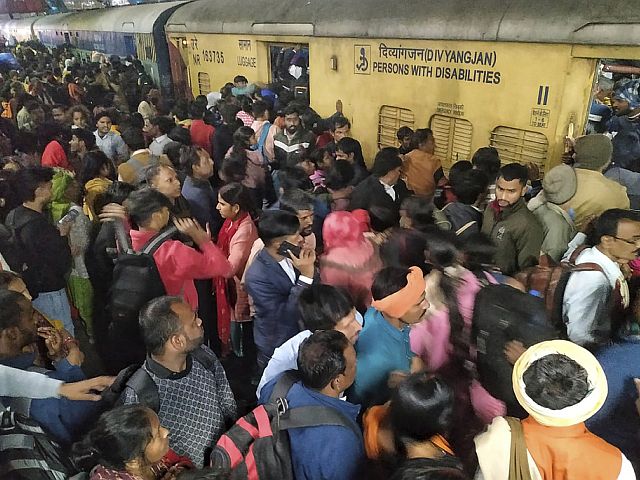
(289, 68)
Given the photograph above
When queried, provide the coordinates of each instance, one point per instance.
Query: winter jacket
(517, 234)
(287, 150)
(370, 195)
(464, 219)
(556, 224)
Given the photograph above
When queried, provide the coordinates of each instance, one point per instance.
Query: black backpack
(138, 379)
(27, 453)
(136, 280)
(501, 314)
(13, 249)
(259, 443)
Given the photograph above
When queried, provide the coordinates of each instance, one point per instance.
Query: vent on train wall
(390, 119)
(522, 146)
(452, 137)
(204, 84)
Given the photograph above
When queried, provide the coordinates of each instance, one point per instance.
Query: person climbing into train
(625, 103)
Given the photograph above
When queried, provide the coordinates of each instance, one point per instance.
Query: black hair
(189, 158)
(420, 136)
(236, 194)
(143, 203)
(240, 78)
(339, 122)
(294, 178)
(119, 436)
(291, 109)
(158, 322)
(459, 167)
(469, 185)
(387, 159)
(105, 113)
(607, 223)
(556, 381)
(152, 171)
(27, 181)
(241, 138)
(403, 132)
(229, 112)
(421, 407)
(164, 124)
(340, 175)
(259, 108)
(275, 224)
(388, 281)
(296, 200)
(321, 358)
(420, 211)
(479, 252)
(487, 160)
(404, 248)
(117, 192)
(10, 311)
(514, 171)
(208, 473)
(86, 136)
(350, 145)
(6, 277)
(92, 163)
(323, 306)
(201, 100)
(180, 134)
(197, 111)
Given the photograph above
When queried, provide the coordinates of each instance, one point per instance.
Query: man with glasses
(594, 301)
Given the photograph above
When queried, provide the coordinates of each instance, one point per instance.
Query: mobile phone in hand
(285, 247)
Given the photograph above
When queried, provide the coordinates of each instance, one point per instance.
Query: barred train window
(522, 146)
(390, 119)
(204, 85)
(453, 138)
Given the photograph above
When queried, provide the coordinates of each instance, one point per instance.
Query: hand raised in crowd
(191, 228)
(53, 341)
(65, 228)
(113, 211)
(305, 263)
(86, 389)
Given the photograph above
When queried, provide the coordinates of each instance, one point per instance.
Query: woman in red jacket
(235, 240)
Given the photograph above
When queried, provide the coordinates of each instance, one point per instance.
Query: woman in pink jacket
(349, 260)
(235, 240)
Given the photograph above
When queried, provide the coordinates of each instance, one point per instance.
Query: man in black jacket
(382, 193)
(47, 257)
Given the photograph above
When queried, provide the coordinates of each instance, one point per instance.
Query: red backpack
(257, 446)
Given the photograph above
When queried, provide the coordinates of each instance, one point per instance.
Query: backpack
(549, 280)
(136, 280)
(14, 250)
(27, 453)
(257, 446)
(501, 314)
(139, 380)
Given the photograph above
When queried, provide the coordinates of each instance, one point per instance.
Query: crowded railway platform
(213, 275)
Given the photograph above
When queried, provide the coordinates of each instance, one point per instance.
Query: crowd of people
(397, 318)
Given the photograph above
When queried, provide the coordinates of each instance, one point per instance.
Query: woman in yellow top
(96, 176)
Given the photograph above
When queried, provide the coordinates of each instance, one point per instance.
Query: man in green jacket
(512, 227)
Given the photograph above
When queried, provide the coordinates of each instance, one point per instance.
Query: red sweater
(201, 135)
(179, 265)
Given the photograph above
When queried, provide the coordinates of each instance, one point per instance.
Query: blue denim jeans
(55, 305)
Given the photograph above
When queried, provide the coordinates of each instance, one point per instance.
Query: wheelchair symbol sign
(362, 59)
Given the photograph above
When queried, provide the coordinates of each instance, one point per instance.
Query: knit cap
(592, 152)
(560, 184)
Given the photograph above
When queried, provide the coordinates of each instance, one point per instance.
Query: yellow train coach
(518, 74)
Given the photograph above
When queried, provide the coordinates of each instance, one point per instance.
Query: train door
(66, 38)
(178, 56)
(130, 45)
(610, 75)
(289, 65)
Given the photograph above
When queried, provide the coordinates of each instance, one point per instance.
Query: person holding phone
(281, 270)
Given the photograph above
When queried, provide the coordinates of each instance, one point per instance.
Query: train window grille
(144, 47)
(204, 84)
(453, 138)
(522, 146)
(390, 119)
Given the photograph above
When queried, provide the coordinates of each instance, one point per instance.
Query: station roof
(615, 22)
(138, 19)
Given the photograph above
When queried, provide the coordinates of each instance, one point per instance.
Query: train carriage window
(390, 119)
(204, 84)
(453, 138)
(522, 146)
